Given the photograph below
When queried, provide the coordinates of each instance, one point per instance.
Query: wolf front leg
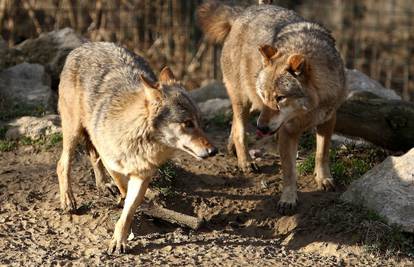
(135, 194)
(288, 146)
(323, 175)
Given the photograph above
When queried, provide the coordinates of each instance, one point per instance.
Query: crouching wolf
(131, 122)
(275, 61)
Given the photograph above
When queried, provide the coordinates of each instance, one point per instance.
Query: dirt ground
(242, 227)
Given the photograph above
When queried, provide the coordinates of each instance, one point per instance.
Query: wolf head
(281, 86)
(176, 118)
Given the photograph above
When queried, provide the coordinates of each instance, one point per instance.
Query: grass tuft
(165, 179)
(6, 145)
(346, 164)
(221, 120)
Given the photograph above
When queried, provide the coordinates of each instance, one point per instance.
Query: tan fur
(131, 123)
(215, 20)
(288, 68)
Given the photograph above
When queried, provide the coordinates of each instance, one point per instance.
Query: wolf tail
(216, 19)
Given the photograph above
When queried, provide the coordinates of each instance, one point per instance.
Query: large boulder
(215, 107)
(50, 50)
(209, 90)
(33, 127)
(388, 189)
(9, 56)
(358, 82)
(25, 87)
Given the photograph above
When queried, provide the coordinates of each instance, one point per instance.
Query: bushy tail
(216, 19)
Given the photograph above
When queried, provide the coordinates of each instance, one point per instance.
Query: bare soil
(242, 227)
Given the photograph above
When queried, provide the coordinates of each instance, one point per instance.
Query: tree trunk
(386, 123)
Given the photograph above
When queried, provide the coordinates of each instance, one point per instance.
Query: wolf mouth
(191, 152)
(260, 134)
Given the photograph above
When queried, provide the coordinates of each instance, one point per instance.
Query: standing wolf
(275, 61)
(131, 123)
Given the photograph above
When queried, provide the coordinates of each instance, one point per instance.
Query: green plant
(6, 145)
(220, 120)
(53, 139)
(307, 142)
(345, 165)
(307, 166)
(165, 178)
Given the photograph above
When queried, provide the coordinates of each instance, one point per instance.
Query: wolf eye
(189, 124)
(280, 98)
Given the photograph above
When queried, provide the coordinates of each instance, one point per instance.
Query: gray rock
(340, 140)
(359, 82)
(388, 189)
(26, 85)
(33, 127)
(50, 50)
(213, 89)
(213, 107)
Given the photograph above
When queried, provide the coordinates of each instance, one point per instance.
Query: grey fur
(275, 61)
(132, 123)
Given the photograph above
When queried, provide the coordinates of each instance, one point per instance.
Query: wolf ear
(268, 52)
(296, 64)
(166, 75)
(151, 89)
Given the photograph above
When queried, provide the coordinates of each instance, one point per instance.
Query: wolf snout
(209, 152)
(212, 151)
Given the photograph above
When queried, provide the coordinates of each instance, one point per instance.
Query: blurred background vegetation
(375, 36)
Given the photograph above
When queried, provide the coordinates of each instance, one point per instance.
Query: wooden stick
(156, 211)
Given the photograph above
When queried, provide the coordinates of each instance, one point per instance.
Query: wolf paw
(117, 247)
(285, 208)
(120, 203)
(249, 167)
(110, 188)
(68, 202)
(325, 184)
(231, 149)
(288, 201)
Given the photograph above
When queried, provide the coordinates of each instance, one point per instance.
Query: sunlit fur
(288, 68)
(131, 122)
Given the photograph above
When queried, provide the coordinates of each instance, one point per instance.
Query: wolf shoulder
(105, 59)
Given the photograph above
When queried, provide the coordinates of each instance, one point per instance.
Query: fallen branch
(156, 211)
(386, 123)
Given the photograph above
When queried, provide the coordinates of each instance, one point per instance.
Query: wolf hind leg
(103, 184)
(121, 182)
(231, 148)
(323, 175)
(238, 136)
(71, 136)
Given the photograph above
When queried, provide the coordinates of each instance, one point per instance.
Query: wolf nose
(263, 129)
(212, 151)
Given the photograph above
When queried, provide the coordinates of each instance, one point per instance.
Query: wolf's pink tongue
(260, 134)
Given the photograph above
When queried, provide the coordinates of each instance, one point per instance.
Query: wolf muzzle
(209, 152)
